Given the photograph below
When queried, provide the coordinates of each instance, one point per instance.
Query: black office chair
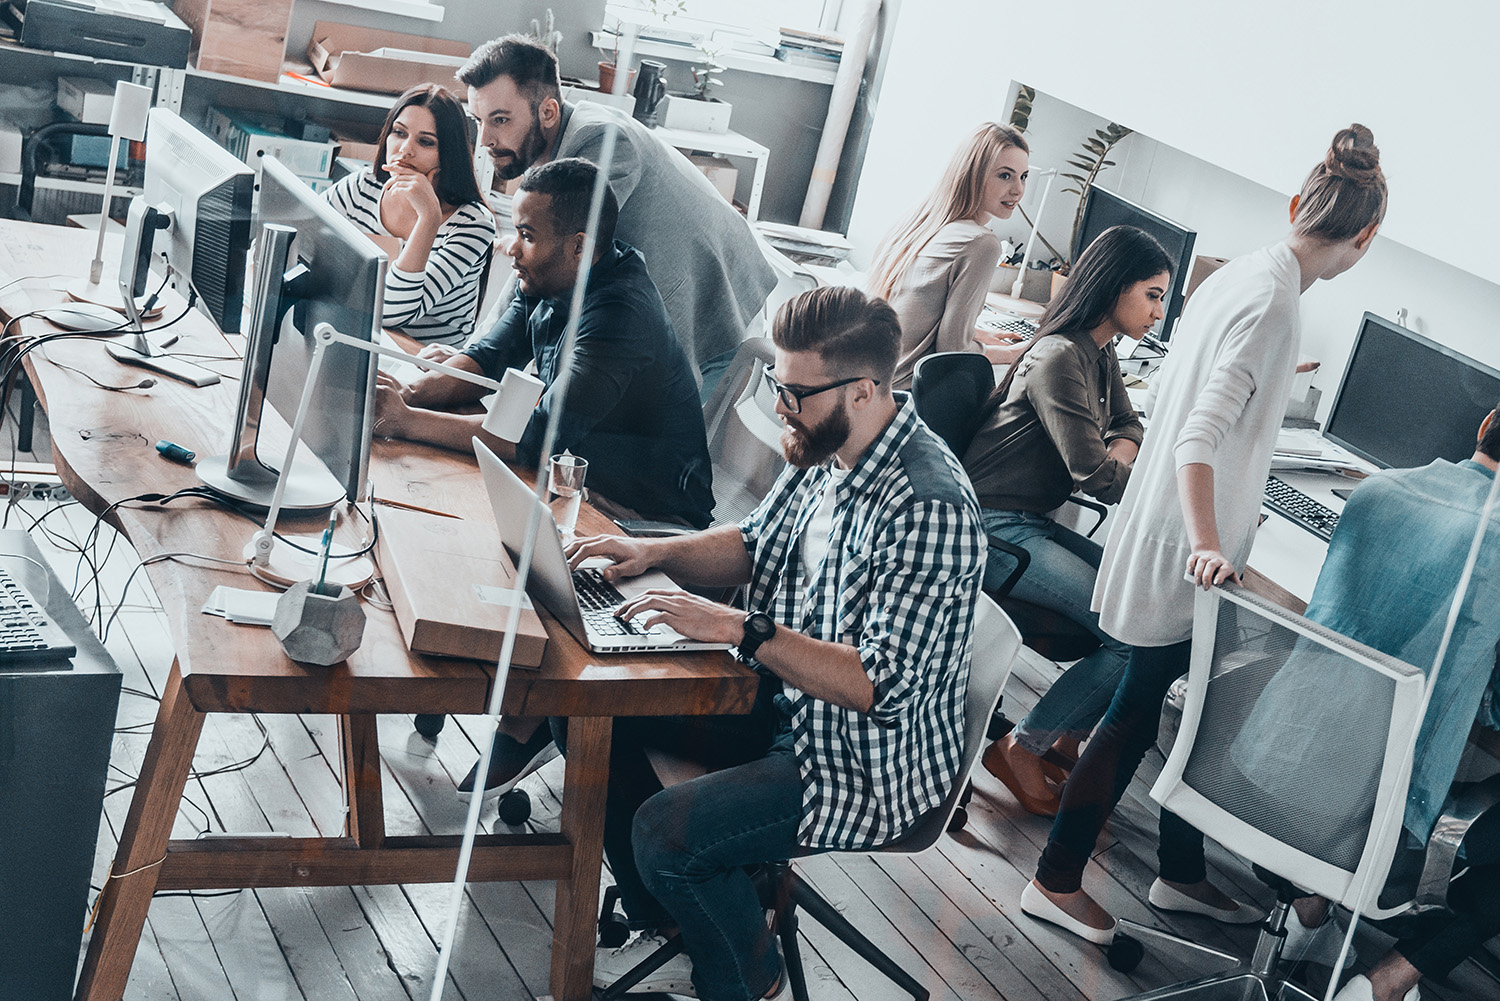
(950, 390)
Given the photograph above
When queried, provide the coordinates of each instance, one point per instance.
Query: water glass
(565, 491)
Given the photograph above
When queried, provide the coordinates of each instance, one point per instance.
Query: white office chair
(996, 642)
(1292, 754)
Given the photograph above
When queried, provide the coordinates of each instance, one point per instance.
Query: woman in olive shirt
(1062, 422)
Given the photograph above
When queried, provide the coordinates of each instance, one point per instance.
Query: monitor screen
(1405, 400)
(1105, 209)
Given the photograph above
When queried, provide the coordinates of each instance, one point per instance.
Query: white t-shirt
(816, 537)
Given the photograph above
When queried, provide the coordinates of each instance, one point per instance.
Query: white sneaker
(1318, 945)
(1359, 989)
(674, 977)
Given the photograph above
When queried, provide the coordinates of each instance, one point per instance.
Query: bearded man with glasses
(863, 565)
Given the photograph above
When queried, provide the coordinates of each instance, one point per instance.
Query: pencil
(414, 507)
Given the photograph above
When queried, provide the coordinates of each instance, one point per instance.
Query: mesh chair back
(1293, 746)
(948, 390)
(996, 643)
(744, 433)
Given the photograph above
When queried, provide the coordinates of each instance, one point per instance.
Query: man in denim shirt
(1393, 566)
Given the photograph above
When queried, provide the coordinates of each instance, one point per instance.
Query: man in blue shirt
(632, 406)
(1394, 564)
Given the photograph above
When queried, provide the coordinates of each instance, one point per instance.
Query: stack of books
(815, 48)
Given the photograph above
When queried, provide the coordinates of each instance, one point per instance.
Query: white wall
(1255, 88)
(1436, 255)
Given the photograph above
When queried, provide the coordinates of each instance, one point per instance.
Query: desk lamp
(127, 120)
(516, 395)
(1013, 303)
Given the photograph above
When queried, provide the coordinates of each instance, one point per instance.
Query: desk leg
(362, 780)
(143, 842)
(575, 924)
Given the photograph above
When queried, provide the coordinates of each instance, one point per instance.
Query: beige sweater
(1220, 399)
(939, 299)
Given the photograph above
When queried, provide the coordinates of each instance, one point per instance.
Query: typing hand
(437, 352)
(391, 412)
(694, 617)
(996, 337)
(629, 557)
(1209, 566)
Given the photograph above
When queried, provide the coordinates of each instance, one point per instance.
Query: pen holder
(318, 627)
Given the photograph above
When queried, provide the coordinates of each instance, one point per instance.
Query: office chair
(996, 642)
(36, 143)
(950, 390)
(1292, 754)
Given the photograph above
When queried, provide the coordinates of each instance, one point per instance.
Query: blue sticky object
(175, 452)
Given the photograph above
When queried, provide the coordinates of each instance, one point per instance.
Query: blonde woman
(935, 268)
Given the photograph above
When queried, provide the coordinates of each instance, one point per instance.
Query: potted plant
(698, 110)
(1091, 160)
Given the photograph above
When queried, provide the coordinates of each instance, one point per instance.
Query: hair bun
(1354, 155)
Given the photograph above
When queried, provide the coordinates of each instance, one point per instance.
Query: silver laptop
(582, 600)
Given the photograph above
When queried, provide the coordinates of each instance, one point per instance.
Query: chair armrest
(1462, 809)
(1093, 506)
(1022, 558)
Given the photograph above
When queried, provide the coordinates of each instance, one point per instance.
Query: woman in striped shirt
(421, 190)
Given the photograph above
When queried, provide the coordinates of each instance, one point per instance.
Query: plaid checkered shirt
(903, 570)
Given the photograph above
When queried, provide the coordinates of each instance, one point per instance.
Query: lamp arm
(324, 330)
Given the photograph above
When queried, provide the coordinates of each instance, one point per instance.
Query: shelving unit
(747, 62)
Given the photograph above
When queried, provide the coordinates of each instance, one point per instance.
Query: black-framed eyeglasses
(792, 398)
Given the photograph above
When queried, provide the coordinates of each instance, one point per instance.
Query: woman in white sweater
(421, 190)
(935, 267)
(1190, 511)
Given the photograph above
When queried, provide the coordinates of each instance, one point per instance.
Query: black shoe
(510, 762)
(429, 725)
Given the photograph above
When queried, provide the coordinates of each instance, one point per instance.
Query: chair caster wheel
(613, 932)
(429, 725)
(958, 821)
(1125, 953)
(515, 807)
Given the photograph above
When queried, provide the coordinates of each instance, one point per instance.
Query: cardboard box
(86, 99)
(251, 139)
(449, 581)
(93, 151)
(720, 173)
(1203, 266)
(346, 56)
(244, 38)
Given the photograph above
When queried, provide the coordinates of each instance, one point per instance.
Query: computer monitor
(1404, 400)
(312, 266)
(192, 219)
(1105, 209)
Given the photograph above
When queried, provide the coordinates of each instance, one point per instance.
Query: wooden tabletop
(104, 448)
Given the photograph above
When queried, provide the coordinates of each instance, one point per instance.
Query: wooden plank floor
(951, 916)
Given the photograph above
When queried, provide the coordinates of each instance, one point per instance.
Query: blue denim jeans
(679, 855)
(1061, 577)
(1104, 772)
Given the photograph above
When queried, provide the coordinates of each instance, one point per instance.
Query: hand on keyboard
(694, 617)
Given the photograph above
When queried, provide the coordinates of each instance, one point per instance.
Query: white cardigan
(1220, 399)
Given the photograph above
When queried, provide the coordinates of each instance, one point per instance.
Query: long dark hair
(455, 181)
(1120, 257)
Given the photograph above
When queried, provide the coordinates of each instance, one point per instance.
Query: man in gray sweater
(699, 251)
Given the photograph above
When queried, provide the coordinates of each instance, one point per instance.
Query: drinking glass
(565, 491)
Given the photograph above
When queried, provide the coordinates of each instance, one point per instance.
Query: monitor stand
(309, 487)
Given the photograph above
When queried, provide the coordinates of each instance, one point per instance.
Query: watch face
(760, 625)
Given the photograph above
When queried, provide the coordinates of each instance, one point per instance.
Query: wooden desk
(103, 444)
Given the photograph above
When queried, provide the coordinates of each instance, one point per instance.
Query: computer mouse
(82, 316)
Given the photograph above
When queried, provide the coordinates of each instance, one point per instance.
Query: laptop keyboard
(598, 599)
(991, 321)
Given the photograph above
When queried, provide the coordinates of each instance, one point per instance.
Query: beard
(811, 446)
(511, 164)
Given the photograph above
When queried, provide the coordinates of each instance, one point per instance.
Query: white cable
(523, 565)
(1455, 608)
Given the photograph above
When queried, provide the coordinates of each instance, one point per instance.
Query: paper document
(251, 608)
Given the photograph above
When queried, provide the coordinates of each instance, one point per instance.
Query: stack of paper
(251, 608)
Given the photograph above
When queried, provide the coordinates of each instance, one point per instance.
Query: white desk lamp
(1013, 303)
(516, 396)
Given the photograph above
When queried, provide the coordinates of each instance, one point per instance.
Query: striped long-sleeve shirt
(437, 304)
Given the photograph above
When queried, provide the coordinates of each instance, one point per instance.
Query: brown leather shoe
(997, 765)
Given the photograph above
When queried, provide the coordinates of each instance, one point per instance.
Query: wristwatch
(759, 627)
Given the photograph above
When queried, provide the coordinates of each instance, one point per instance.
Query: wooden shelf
(72, 184)
(291, 85)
